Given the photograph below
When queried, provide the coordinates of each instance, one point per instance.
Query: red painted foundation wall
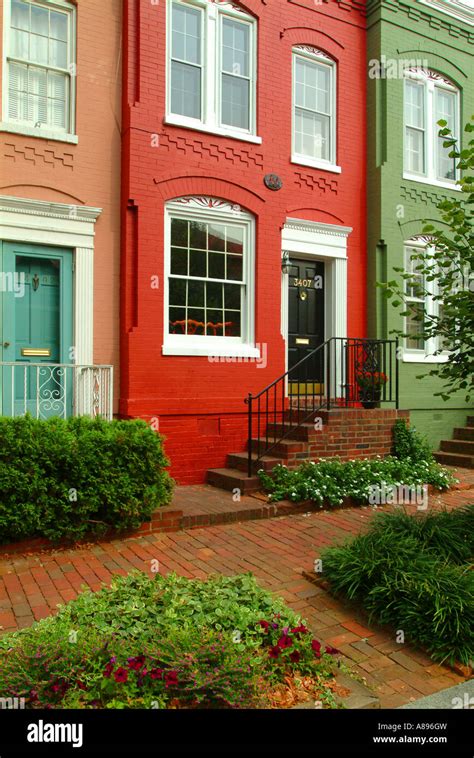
(198, 404)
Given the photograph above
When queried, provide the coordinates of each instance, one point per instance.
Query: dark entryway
(306, 288)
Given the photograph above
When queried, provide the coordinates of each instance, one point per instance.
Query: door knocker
(35, 282)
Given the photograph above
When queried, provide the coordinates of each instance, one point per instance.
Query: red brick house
(244, 209)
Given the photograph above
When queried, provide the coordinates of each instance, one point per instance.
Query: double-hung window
(420, 303)
(209, 263)
(40, 63)
(429, 98)
(211, 68)
(314, 108)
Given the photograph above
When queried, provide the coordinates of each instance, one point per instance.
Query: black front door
(305, 319)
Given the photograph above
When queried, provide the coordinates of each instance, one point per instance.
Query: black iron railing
(340, 373)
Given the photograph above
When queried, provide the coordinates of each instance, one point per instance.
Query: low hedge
(69, 478)
(403, 576)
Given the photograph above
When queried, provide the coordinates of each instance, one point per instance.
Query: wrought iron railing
(341, 372)
(56, 389)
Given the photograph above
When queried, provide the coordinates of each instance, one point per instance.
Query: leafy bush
(332, 480)
(408, 443)
(162, 642)
(68, 478)
(397, 572)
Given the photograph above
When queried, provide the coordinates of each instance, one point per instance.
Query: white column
(84, 305)
(339, 298)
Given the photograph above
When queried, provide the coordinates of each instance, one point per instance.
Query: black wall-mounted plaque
(272, 181)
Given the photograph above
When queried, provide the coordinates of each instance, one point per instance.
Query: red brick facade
(198, 404)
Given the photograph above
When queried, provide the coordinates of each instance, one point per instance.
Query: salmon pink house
(244, 225)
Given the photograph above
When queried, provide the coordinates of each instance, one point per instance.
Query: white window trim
(430, 156)
(40, 222)
(425, 355)
(16, 127)
(312, 241)
(211, 50)
(201, 345)
(306, 160)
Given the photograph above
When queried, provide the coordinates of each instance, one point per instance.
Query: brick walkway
(276, 550)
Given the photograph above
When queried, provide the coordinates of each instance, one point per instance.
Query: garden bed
(171, 642)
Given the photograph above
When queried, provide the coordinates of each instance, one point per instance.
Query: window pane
(415, 151)
(38, 49)
(232, 324)
(414, 104)
(216, 237)
(312, 86)
(198, 235)
(196, 294)
(58, 25)
(57, 53)
(214, 295)
(20, 41)
(177, 292)
(186, 34)
(179, 232)
(445, 105)
(232, 296)
(235, 101)
(235, 240)
(234, 267)
(185, 90)
(235, 48)
(414, 326)
(18, 92)
(197, 263)
(216, 266)
(177, 321)
(39, 20)
(214, 323)
(196, 321)
(179, 261)
(37, 101)
(20, 15)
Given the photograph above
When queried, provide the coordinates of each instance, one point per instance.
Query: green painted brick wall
(397, 207)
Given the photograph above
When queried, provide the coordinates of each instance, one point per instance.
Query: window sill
(302, 160)
(433, 182)
(210, 350)
(423, 358)
(218, 130)
(31, 131)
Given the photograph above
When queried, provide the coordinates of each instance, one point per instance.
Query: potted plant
(370, 385)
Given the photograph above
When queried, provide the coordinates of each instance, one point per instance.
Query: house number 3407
(303, 282)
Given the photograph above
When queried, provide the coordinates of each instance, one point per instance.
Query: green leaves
(69, 478)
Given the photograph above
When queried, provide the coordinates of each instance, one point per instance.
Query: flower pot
(370, 397)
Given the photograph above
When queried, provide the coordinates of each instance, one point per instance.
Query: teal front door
(37, 330)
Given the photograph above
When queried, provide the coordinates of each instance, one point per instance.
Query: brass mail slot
(302, 341)
(36, 351)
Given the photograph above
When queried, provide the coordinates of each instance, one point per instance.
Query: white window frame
(425, 354)
(315, 56)
(210, 120)
(25, 128)
(430, 128)
(220, 211)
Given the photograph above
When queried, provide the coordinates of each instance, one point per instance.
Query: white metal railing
(56, 389)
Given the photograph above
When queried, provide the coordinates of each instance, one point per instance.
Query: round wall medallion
(272, 181)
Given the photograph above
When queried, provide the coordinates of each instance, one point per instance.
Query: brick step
(455, 459)
(304, 432)
(240, 461)
(463, 433)
(231, 479)
(470, 421)
(282, 448)
(465, 447)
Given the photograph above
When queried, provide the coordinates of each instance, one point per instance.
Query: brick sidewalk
(276, 550)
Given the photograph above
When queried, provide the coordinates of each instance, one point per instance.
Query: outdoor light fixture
(285, 262)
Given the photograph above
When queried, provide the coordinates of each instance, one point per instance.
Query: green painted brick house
(420, 69)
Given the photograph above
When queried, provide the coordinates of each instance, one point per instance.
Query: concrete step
(463, 433)
(231, 479)
(240, 461)
(291, 431)
(455, 459)
(465, 447)
(282, 448)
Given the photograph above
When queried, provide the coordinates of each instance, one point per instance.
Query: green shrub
(146, 642)
(397, 572)
(68, 478)
(332, 480)
(408, 443)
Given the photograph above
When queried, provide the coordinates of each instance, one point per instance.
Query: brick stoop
(460, 450)
(346, 433)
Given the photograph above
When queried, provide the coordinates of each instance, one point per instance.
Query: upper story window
(211, 67)
(209, 264)
(40, 60)
(429, 98)
(314, 108)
